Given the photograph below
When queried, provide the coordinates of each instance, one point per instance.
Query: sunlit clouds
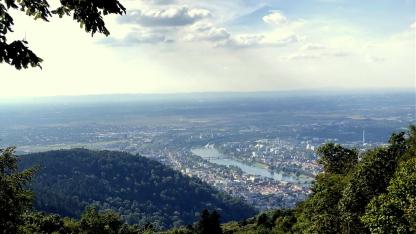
(166, 46)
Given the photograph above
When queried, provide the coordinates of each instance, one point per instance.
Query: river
(221, 159)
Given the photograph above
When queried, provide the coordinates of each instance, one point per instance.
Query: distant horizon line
(295, 92)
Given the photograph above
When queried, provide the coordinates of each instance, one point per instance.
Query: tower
(363, 137)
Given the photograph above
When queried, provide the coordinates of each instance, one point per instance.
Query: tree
(89, 13)
(15, 199)
(44, 223)
(371, 178)
(107, 222)
(337, 159)
(395, 211)
(320, 213)
(209, 223)
(263, 220)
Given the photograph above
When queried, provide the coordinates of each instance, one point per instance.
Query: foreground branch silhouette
(89, 13)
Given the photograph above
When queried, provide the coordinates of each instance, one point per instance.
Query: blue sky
(169, 46)
(376, 16)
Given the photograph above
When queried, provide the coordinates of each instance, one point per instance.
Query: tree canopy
(89, 13)
(15, 199)
(209, 223)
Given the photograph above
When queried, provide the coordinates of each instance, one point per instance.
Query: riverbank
(257, 169)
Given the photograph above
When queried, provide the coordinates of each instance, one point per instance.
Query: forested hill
(141, 190)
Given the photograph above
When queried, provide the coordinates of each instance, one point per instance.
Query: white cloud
(221, 37)
(317, 51)
(174, 16)
(204, 31)
(275, 18)
(413, 26)
(337, 54)
(302, 56)
(375, 59)
(313, 46)
(258, 40)
(246, 41)
(138, 36)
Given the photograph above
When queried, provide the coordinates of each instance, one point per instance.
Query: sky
(181, 46)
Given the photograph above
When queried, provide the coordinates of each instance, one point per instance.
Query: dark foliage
(15, 199)
(337, 159)
(89, 13)
(140, 190)
(209, 223)
(92, 222)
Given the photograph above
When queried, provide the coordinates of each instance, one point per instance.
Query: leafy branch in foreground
(89, 13)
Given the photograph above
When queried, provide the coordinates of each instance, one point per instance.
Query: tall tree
(89, 13)
(209, 223)
(370, 179)
(320, 213)
(15, 199)
(337, 159)
(395, 211)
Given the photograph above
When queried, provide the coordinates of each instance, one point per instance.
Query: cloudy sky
(169, 46)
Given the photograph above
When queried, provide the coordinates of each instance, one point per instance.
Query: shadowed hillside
(141, 190)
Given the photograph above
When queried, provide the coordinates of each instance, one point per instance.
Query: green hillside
(140, 190)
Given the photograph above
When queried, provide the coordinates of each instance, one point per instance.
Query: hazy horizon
(210, 94)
